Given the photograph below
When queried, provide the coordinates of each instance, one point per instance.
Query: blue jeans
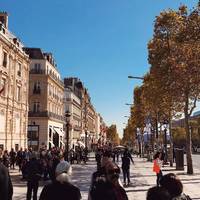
(159, 176)
(126, 174)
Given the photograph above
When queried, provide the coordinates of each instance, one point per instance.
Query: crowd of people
(105, 182)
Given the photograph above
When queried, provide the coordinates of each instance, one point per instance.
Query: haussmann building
(14, 82)
(46, 90)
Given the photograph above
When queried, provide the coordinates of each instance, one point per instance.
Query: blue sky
(99, 41)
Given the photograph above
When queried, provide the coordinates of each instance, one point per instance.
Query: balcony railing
(37, 71)
(56, 79)
(45, 114)
(38, 114)
(55, 116)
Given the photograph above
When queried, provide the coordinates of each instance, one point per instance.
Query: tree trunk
(188, 139)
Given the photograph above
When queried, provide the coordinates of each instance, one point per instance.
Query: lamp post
(86, 135)
(136, 77)
(139, 138)
(165, 140)
(67, 115)
(128, 104)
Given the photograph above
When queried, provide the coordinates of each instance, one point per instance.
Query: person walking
(126, 160)
(157, 167)
(12, 155)
(61, 188)
(6, 159)
(19, 158)
(6, 188)
(108, 188)
(34, 171)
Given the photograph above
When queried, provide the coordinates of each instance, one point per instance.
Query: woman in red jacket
(157, 167)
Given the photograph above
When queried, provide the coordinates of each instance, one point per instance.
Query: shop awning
(60, 133)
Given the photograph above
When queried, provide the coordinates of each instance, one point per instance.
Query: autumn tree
(112, 134)
(174, 56)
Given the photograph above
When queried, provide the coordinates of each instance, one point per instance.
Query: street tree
(174, 56)
(112, 134)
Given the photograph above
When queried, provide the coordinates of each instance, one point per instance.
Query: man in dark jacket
(126, 160)
(34, 171)
(6, 188)
(61, 188)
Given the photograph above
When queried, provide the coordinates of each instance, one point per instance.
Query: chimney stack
(4, 19)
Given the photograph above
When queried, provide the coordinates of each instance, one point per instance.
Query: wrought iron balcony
(46, 114)
(37, 71)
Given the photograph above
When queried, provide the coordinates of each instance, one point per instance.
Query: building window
(36, 107)
(36, 88)
(37, 67)
(5, 59)
(18, 93)
(19, 69)
(3, 87)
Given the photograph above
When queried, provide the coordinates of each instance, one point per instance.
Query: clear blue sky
(99, 41)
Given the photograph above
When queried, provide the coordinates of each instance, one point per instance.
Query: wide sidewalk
(142, 178)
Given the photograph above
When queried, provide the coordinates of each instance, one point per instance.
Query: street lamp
(136, 77)
(165, 123)
(128, 104)
(126, 116)
(139, 138)
(67, 115)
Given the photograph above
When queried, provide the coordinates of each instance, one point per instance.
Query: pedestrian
(157, 167)
(6, 158)
(174, 186)
(108, 188)
(98, 158)
(126, 160)
(6, 188)
(34, 172)
(61, 188)
(12, 155)
(158, 193)
(52, 167)
(1, 155)
(19, 158)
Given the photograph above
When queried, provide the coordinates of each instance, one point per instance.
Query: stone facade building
(72, 102)
(14, 83)
(46, 90)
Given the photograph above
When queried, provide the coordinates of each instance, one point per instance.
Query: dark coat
(58, 191)
(107, 191)
(125, 163)
(6, 188)
(34, 170)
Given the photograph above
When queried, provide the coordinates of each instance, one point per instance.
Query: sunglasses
(114, 171)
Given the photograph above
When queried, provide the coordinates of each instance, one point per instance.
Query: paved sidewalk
(142, 178)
